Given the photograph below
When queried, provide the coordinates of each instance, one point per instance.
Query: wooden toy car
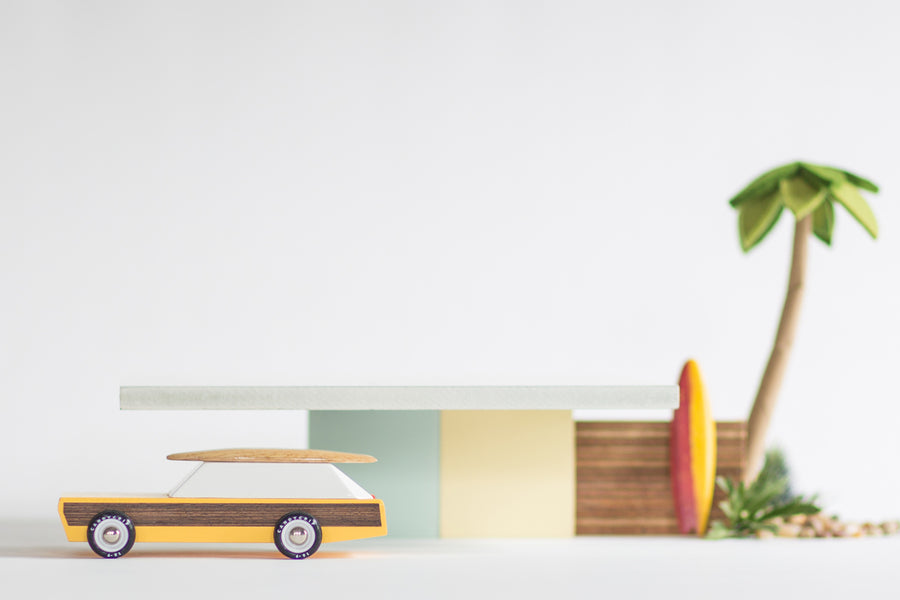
(297, 498)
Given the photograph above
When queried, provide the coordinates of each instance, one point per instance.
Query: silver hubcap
(298, 536)
(111, 535)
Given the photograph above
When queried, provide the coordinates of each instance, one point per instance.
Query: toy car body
(296, 498)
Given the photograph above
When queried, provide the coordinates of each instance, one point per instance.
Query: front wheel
(298, 535)
(111, 534)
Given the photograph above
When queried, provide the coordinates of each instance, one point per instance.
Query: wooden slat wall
(623, 485)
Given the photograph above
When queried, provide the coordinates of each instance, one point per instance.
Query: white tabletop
(37, 562)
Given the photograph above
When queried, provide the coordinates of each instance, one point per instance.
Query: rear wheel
(298, 535)
(111, 534)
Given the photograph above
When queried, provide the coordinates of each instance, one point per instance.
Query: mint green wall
(406, 476)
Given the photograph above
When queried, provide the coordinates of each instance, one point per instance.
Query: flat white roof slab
(399, 398)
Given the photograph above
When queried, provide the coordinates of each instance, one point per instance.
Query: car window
(268, 480)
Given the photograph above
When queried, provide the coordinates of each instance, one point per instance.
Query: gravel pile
(820, 526)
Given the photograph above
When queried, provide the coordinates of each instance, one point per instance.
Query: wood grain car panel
(226, 514)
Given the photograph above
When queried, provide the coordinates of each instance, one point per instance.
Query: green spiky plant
(810, 192)
(775, 469)
(749, 509)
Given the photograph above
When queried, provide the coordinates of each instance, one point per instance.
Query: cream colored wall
(507, 473)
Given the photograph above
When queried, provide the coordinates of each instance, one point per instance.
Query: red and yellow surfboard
(692, 452)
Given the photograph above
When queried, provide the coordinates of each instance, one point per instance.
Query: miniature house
(452, 461)
(463, 473)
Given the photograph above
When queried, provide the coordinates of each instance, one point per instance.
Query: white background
(353, 193)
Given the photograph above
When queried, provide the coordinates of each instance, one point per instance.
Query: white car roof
(268, 480)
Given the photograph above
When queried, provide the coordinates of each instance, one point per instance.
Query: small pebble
(819, 526)
(789, 530)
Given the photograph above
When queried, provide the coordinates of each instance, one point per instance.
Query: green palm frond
(805, 189)
(765, 184)
(823, 221)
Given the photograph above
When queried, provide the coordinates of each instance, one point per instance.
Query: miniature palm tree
(810, 192)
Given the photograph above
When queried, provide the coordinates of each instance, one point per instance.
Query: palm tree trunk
(766, 396)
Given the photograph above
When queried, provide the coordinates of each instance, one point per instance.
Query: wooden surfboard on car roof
(272, 455)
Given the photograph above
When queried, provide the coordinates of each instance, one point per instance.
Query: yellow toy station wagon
(296, 498)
